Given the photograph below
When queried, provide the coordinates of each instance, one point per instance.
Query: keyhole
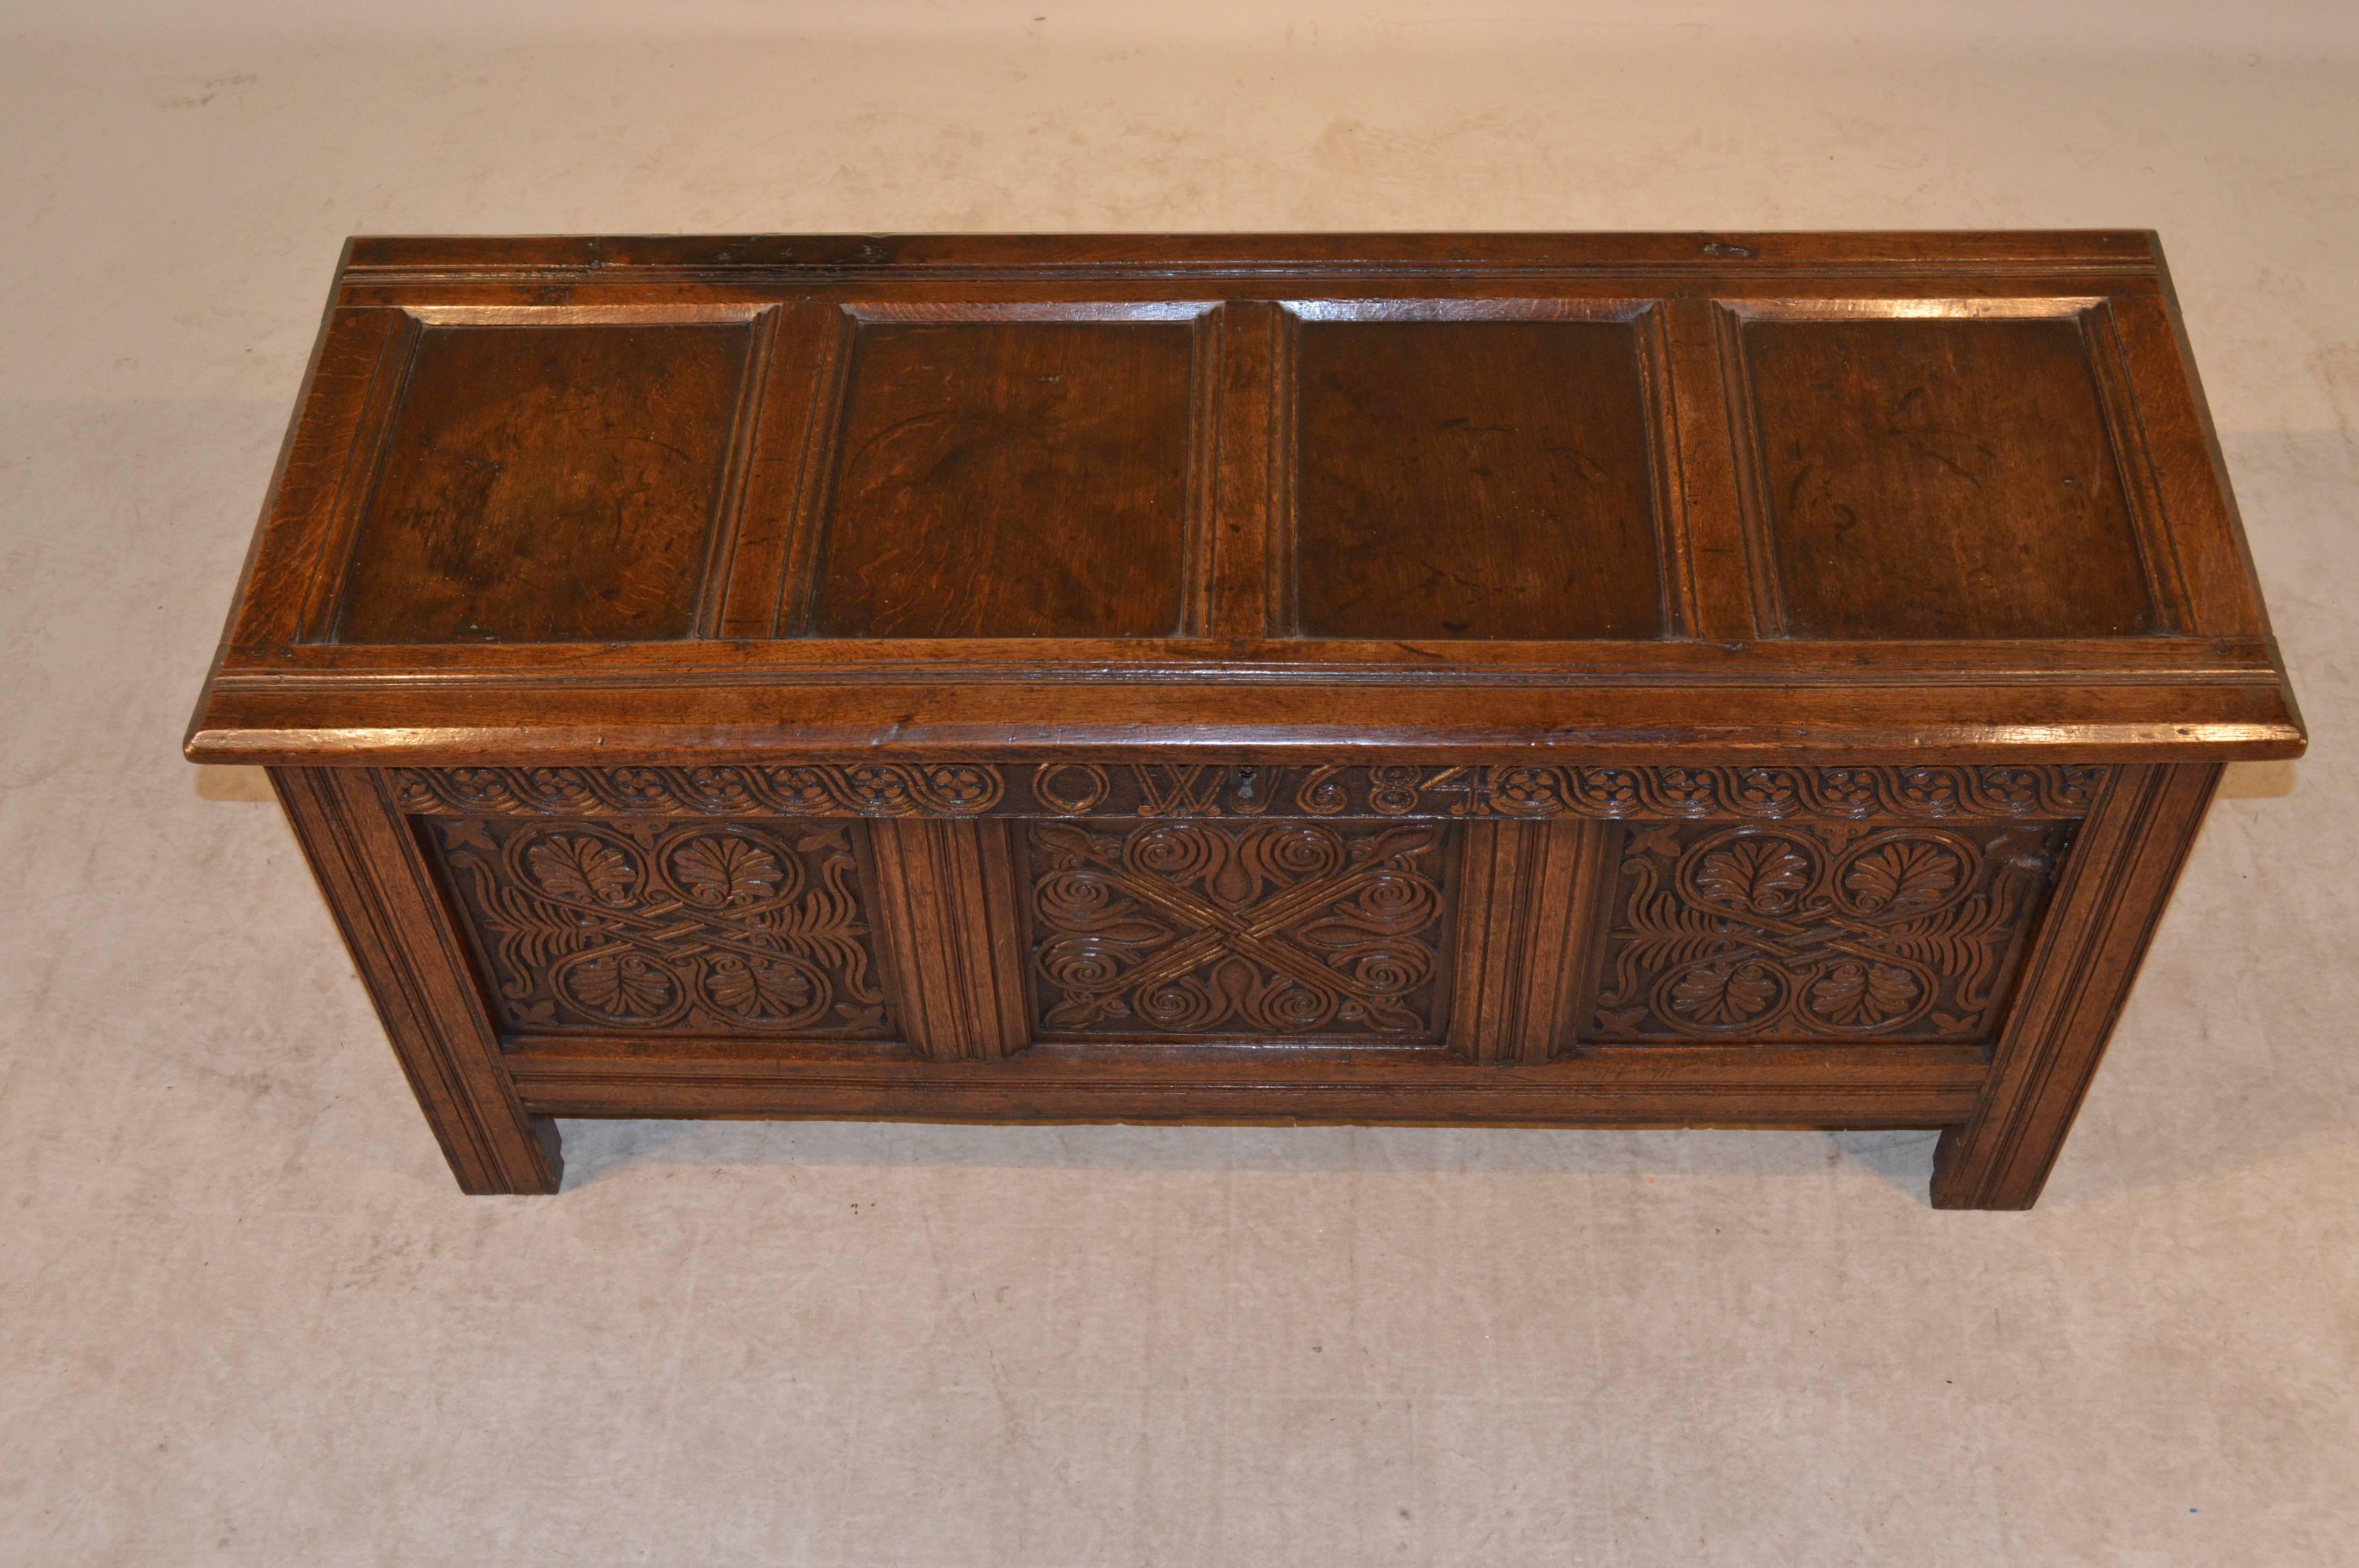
(1245, 783)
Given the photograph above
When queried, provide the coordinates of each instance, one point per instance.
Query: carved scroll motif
(1136, 790)
(728, 928)
(1276, 930)
(1817, 934)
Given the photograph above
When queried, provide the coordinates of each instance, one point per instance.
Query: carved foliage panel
(1818, 933)
(664, 926)
(1280, 930)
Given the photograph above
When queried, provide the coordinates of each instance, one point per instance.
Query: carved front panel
(645, 925)
(1818, 933)
(1241, 931)
(1729, 904)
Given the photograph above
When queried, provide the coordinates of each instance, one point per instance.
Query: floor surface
(245, 1318)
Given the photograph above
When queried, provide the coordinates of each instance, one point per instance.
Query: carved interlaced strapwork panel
(1161, 790)
(1818, 933)
(1281, 930)
(705, 927)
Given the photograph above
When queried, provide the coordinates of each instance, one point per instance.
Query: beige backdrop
(245, 1318)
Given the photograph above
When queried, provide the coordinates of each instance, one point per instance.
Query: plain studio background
(248, 1319)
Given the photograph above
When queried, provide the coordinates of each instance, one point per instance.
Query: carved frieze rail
(1209, 790)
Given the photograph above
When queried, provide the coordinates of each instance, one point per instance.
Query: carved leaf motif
(756, 988)
(581, 868)
(1858, 995)
(723, 871)
(1902, 877)
(1724, 994)
(626, 987)
(1763, 875)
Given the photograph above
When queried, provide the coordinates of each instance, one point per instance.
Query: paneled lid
(1869, 496)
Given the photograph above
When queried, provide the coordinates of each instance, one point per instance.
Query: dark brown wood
(2120, 879)
(1527, 907)
(946, 900)
(694, 927)
(1826, 1088)
(1708, 555)
(1527, 679)
(1195, 930)
(1942, 479)
(1474, 479)
(1250, 467)
(795, 412)
(401, 940)
(1014, 478)
(1805, 930)
(545, 484)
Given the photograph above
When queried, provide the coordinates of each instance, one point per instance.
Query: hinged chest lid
(1433, 496)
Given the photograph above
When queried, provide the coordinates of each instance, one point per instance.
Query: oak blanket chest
(1605, 680)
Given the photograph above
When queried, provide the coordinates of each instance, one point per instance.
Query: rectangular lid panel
(1941, 477)
(1008, 478)
(1787, 463)
(1473, 478)
(546, 484)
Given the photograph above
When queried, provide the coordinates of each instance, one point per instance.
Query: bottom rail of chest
(1824, 948)
(1710, 1086)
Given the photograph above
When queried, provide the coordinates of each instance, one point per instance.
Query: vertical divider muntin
(946, 910)
(782, 513)
(1282, 614)
(1528, 930)
(1245, 456)
(1200, 527)
(1674, 568)
(1596, 884)
(737, 459)
(1764, 578)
